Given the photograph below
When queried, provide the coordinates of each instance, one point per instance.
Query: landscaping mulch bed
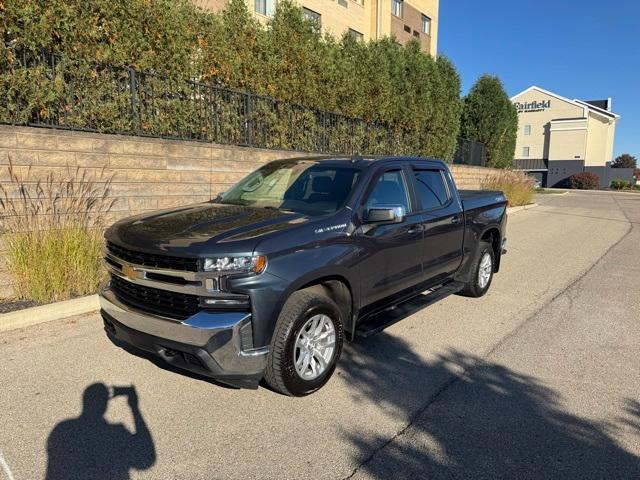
(7, 306)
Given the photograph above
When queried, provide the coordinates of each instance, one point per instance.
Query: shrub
(584, 181)
(620, 185)
(53, 232)
(517, 186)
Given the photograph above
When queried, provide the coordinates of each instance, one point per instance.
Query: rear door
(442, 221)
(390, 253)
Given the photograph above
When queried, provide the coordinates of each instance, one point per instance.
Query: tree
(488, 116)
(297, 57)
(625, 161)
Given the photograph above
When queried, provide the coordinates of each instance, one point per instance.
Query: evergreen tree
(488, 116)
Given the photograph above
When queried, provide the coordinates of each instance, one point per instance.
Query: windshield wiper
(269, 207)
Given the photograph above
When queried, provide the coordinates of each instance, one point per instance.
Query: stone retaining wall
(149, 173)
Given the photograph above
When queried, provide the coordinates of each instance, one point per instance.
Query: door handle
(415, 229)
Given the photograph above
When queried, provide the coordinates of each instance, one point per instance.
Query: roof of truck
(359, 160)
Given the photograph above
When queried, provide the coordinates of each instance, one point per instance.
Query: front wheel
(306, 345)
(481, 272)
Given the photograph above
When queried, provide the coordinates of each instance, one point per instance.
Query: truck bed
(475, 199)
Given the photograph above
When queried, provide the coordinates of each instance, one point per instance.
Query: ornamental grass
(52, 232)
(517, 186)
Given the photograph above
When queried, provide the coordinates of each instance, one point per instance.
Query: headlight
(254, 264)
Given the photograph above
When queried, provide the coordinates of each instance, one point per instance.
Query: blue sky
(586, 49)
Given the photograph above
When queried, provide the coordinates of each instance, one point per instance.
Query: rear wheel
(306, 345)
(481, 272)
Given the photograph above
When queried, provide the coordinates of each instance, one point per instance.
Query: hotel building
(558, 137)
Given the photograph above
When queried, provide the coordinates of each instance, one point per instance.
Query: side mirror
(385, 214)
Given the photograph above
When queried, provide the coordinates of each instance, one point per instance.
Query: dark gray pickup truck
(269, 279)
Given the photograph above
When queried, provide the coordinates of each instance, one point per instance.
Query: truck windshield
(306, 186)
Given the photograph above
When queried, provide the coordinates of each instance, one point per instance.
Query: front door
(391, 253)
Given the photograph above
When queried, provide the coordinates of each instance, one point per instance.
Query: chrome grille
(155, 301)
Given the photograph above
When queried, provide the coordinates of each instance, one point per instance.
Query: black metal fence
(470, 152)
(46, 90)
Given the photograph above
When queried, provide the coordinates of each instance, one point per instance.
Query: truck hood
(201, 229)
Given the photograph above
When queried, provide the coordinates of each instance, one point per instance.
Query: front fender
(290, 271)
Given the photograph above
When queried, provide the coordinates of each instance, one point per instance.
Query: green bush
(380, 82)
(53, 233)
(584, 181)
(516, 186)
(620, 185)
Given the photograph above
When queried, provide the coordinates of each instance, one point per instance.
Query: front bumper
(207, 343)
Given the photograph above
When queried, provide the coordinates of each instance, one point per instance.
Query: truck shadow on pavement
(486, 421)
(90, 447)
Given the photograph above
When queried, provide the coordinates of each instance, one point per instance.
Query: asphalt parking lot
(538, 379)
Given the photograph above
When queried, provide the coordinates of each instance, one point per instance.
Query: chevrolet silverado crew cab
(271, 277)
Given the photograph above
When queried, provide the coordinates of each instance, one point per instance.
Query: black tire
(281, 374)
(473, 288)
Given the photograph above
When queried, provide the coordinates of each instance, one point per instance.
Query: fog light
(240, 301)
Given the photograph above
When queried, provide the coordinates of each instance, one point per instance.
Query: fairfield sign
(532, 106)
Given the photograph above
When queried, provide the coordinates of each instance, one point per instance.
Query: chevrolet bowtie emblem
(130, 272)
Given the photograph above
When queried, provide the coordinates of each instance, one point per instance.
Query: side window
(430, 188)
(389, 190)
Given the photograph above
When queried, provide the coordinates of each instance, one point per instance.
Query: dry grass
(52, 229)
(517, 186)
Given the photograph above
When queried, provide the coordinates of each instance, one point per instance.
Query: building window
(355, 34)
(416, 33)
(343, 3)
(396, 8)
(311, 15)
(426, 25)
(525, 152)
(265, 7)
(527, 129)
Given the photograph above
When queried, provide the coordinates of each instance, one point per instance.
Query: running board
(388, 317)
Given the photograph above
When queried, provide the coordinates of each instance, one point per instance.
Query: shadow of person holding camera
(91, 447)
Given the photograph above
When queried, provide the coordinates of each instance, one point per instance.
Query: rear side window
(430, 188)
(389, 190)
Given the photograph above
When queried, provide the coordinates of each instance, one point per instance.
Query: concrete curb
(558, 194)
(607, 192)
(511, 210)
(46, 313)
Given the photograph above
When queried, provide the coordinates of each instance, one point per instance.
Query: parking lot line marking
(5, 468)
